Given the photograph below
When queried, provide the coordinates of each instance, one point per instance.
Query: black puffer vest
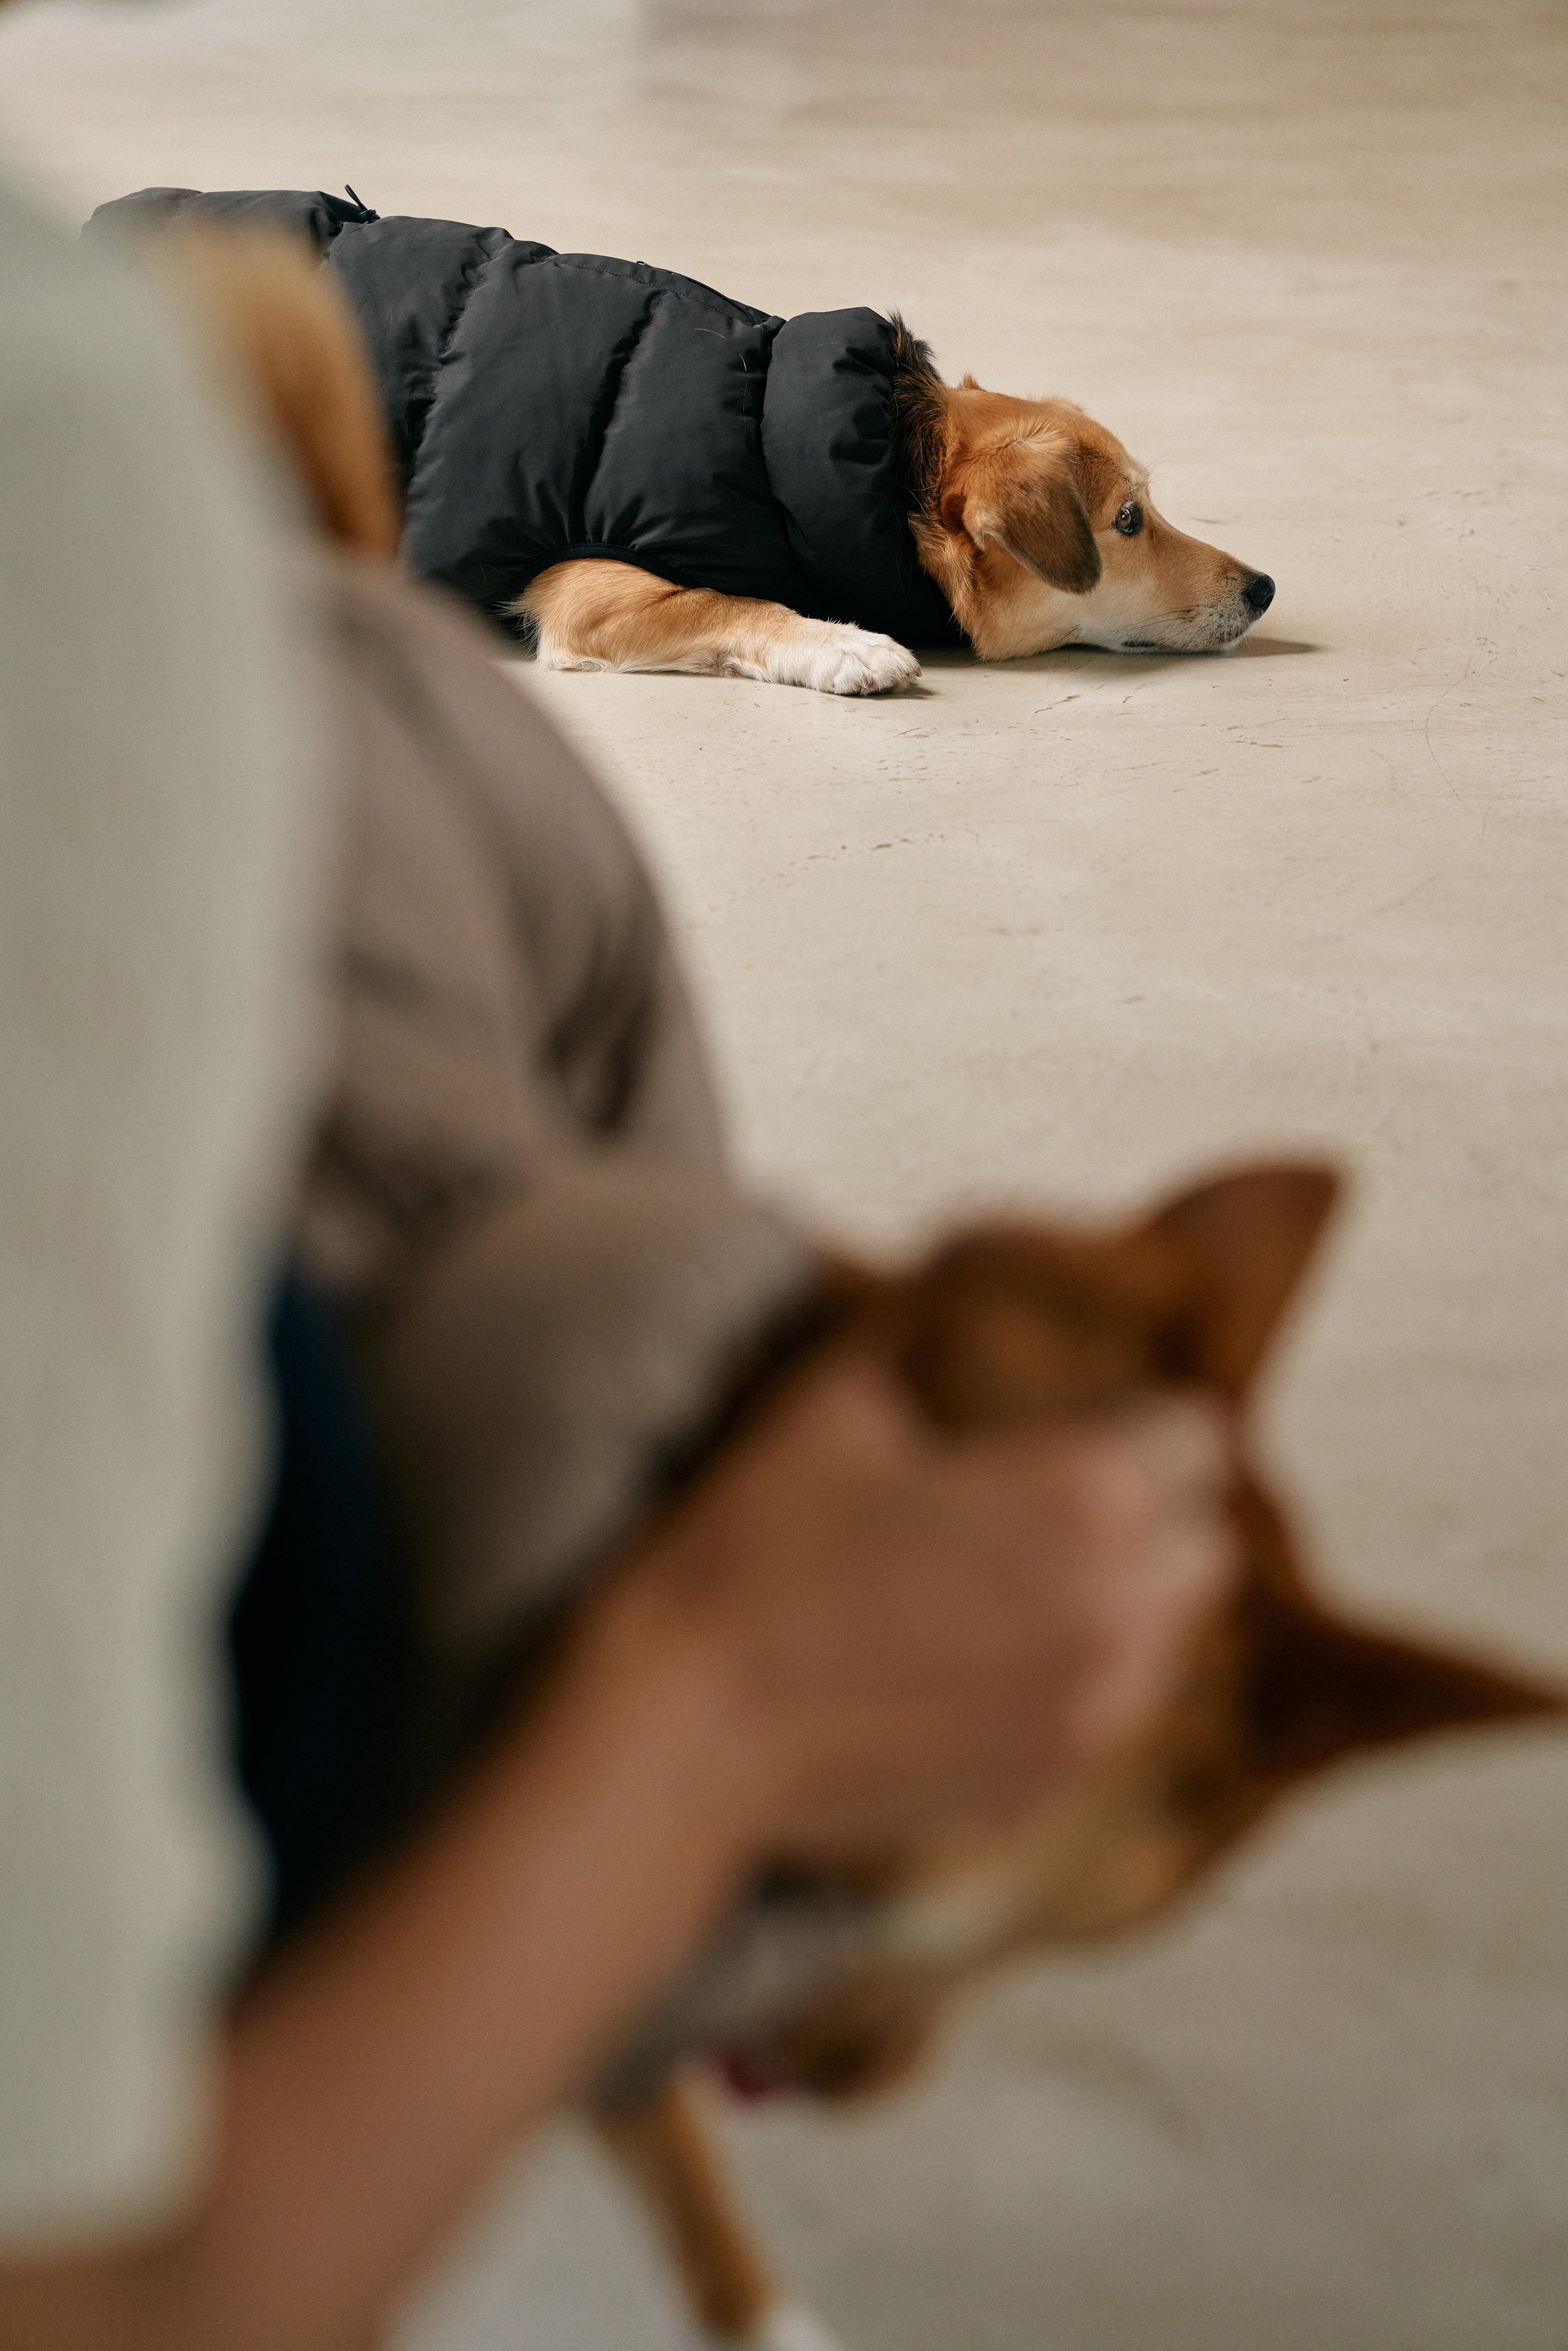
(546, 404)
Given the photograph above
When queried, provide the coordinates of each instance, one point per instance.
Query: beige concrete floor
(1061, 931)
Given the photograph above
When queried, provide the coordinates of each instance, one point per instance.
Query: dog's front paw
(845, 660)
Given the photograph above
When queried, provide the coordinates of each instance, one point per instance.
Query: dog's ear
(1318, 1686)
(1345, 1692)
(1250, 1238)
(1025, 497)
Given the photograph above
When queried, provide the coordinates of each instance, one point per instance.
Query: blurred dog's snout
(1258, 591)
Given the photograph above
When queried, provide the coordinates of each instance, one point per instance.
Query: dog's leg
(590, 615)
(665, 2146)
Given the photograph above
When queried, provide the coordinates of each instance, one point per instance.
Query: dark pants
(316, 1635)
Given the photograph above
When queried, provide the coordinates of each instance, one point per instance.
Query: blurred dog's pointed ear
(1025, 497)
(1331, 1690)
(1250, 1237)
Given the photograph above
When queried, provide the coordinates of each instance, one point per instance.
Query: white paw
(788, 2326)
(552, 657)
(844, 660)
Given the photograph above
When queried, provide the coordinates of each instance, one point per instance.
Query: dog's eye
(1130, 519)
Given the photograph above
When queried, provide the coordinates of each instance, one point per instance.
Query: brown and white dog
(1032, 519)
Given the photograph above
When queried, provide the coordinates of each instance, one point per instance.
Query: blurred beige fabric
(158, 823)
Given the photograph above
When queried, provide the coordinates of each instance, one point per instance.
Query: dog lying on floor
(639, 472)
(1031, 519)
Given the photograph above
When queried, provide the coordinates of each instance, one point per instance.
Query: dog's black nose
(1259, 591)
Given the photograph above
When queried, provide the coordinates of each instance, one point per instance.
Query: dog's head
(1039, 529)
(1008, 1326)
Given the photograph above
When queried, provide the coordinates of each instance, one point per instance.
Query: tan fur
(1018, 531)
(1011, 471)
(296, 358)
(592, 615)
(665, 2147)
(614, 616)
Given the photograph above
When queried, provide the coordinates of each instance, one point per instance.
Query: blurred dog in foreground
(835, 1988)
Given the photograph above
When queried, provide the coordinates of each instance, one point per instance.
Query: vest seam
(597, 430)
(459, 312)
(716, 303)
(590, 551)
